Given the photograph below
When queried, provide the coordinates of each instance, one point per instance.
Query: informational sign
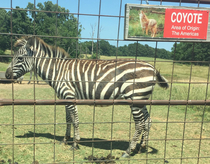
(164, 23)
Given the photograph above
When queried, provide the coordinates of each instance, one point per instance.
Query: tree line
(103, 47)
(199, 52)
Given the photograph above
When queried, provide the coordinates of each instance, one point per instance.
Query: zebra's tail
(162, 82)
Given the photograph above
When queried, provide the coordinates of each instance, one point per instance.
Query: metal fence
(180, 133)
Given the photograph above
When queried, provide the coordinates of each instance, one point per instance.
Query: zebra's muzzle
(9, 74)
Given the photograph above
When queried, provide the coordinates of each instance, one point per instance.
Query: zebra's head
(22, 61)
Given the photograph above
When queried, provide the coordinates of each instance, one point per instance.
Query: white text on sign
(186, 17)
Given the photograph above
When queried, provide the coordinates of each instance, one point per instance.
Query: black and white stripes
(89, 79)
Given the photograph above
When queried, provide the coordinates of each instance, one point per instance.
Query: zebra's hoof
(125, 155)
(65, 140)
(143, 145)
(74, 148)
(142, 149)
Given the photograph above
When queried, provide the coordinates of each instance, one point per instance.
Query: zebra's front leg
(72, 117)
(138, 116)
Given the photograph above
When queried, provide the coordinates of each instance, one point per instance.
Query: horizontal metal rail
(4, 102)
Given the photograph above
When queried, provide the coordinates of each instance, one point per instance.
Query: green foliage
(192, 52)
(41, 23)
(21, 24)
(4, 28)
(46, 23)
(104, 48)
(101, 47)
(143, 50)
(94, 56)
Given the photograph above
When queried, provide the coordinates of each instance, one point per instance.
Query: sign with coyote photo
(144, 22)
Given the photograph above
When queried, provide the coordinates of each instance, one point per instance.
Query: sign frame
(149, 35)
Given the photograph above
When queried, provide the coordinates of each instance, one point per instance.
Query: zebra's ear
(19, 43)
(30, 41)
(29, 47)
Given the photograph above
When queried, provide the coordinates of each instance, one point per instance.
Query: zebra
(89, 79)
(31, 72)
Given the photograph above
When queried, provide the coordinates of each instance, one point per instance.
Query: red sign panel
(183, 23)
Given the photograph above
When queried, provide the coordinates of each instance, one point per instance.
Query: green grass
(8, 52)
(49, 127)
(48, 139)
(3, 66)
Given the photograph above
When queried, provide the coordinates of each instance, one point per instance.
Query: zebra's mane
(29, 41)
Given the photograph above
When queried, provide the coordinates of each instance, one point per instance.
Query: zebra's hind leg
(72, 117)
(68, 125)
(140, 114)
(145, 135)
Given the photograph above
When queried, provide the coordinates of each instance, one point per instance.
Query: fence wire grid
(32, 118)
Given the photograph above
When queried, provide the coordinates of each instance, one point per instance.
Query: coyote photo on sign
(146, 22)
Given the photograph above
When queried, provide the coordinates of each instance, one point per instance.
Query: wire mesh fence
(33, 123)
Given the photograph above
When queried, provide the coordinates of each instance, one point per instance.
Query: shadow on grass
(89, 142)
